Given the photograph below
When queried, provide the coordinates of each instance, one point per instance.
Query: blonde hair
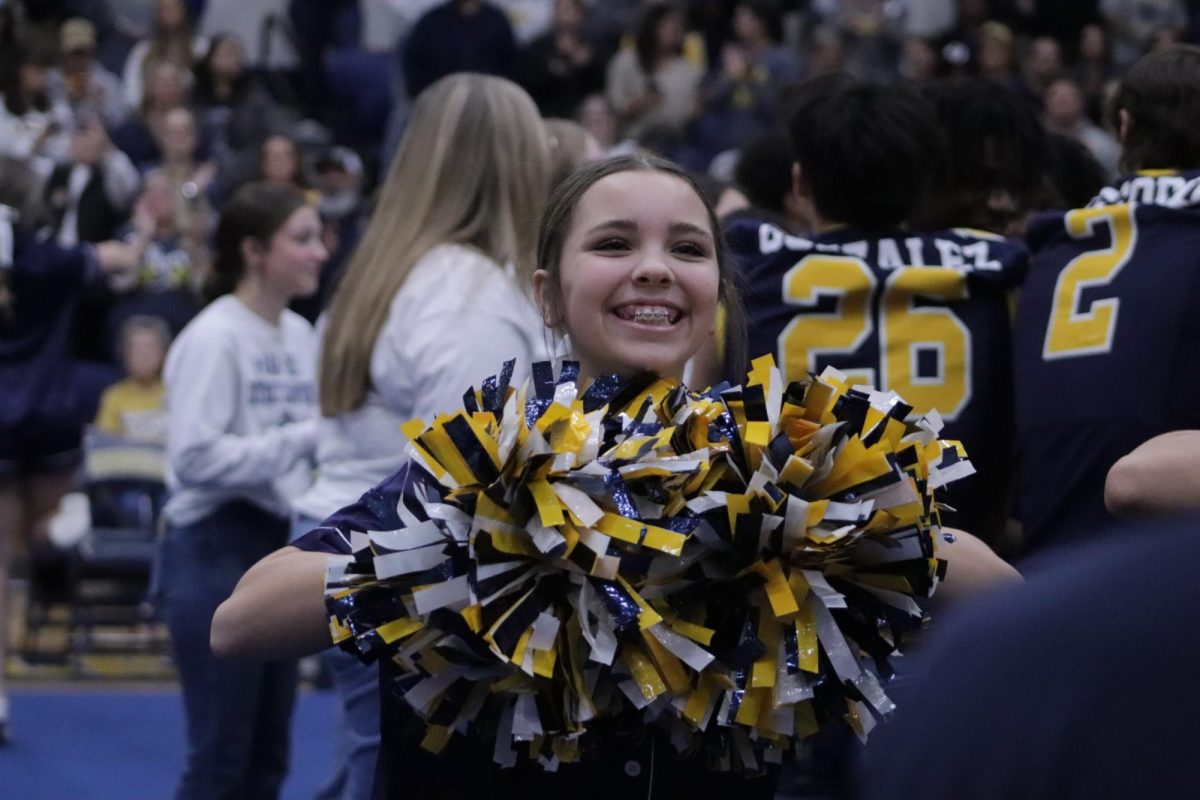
(473, 169)
(568, 147)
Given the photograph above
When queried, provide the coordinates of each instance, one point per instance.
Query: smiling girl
(241, 404)
(631, 269)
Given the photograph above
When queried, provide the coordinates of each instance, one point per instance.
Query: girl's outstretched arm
(972, 568)
(277, 609)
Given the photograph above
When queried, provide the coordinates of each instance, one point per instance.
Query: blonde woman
(431, 301)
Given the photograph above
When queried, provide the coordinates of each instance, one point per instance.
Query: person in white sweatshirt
(241, 409)
(434, 299)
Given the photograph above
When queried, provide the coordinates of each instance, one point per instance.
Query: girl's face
(177, 135)
(1092, 43)
(669, 33)
(747, 26)
(597, 117)
(291, 265)
(165, 86)
(170, 14)
(144, 355)
(279, 161)
(228, 59)
(638, 276)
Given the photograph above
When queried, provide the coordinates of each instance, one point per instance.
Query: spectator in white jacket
(241, 431)
(434, 299)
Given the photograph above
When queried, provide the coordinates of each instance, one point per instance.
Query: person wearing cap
(86, 86)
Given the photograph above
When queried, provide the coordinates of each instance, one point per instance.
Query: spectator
(826, 52)
(1043, 64)
(598, 119)
(1064, 114)
(40, 417)
(653, 87)
(740, 99)
(571, 146)
(918, 60)
(261, 25)
(279, 162)
(1133, 25)
(1164, 39)
(1094, 68)
(134, 408)
(870, 31)
(563, 66)
(90, 197)
(168, 263)
(997, 56)
(33, 125)
(432, 300)
(166, 88)
(234, 110)
(191, 180)
(241, 431)
(81, 82)
(458, 36)
(173, 39)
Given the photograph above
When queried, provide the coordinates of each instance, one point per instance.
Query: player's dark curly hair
(865, 150)
(1161, 95)
(994, 141)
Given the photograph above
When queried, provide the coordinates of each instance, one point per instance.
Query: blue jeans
(356, 748)
(238, 712)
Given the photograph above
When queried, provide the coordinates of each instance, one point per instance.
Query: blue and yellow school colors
(926, 315)
(1108, 334)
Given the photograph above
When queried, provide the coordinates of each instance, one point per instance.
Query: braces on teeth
(655, 315)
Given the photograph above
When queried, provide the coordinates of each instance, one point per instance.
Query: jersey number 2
(905, 330)
(1075, 331)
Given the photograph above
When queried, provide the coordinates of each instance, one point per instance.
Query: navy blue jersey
(1108, 335)
(926, 315)
(37, 379)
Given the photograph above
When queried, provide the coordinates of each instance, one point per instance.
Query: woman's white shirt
(457, 318)
(241, 411)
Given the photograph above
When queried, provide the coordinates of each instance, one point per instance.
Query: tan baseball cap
(77, 34)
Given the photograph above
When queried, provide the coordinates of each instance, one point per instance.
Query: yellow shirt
(134, 411)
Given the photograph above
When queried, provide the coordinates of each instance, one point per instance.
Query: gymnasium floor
(108, 724)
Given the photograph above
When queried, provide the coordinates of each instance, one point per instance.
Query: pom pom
(737, 565)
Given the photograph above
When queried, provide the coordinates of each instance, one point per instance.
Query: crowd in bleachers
(146, 121)
(145, 116)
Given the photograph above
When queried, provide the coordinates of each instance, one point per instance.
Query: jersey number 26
(905, 330)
